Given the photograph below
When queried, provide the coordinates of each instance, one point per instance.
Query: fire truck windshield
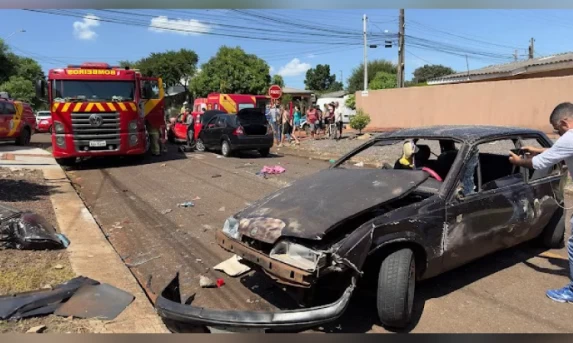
(73, 90)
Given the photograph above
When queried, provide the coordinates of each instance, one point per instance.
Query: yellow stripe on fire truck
(93, 107)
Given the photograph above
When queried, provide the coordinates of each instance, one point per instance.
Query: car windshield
(43, 114)
(74, 90)
(408, 154)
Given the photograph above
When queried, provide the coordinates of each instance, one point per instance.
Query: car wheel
(199, 145)
(50, 129)
(225, 148)
(264, 152)
(396, 288)
(24, 138)
(553, 235)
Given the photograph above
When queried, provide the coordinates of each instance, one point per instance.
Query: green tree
(351, 102)
(19, 88)
(383, 80)
(126, 63)
(319, 79)
(7, 62)
(278, 80)
(360, 120)
(427, 72)
(356, 80)
(172, 66)
(232, 70)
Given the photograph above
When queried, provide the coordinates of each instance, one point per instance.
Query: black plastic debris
(25, 230)
(40, 302)
(101, 301)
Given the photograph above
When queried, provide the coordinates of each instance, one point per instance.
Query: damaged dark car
(458, 199)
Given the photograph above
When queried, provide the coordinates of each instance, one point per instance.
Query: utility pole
(364, 18)
(531, 48)
(401, 50)
(341, 79)
(515, 55)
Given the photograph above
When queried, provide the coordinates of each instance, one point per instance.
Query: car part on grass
(25, 230)
(170, 307)
(101, 301)
(233, 267)
(40, 302)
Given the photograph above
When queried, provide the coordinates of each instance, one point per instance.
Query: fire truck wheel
(24, 138)
(225, 148)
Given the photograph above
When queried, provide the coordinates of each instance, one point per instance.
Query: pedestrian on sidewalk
(540, 158)
(296, 123)
(311, 120)
(272, 118)
(338, 119)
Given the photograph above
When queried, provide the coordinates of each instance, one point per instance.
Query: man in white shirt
(338, 119)
(562, 121)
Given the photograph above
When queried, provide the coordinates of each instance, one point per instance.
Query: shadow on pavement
(22, 190)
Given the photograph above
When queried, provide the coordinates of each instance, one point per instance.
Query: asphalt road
(136, 206)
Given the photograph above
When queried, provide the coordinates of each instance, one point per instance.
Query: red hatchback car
(43, 121)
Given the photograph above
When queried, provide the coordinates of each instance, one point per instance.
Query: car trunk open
(253, 121)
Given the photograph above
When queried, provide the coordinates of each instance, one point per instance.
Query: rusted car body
(411, 225)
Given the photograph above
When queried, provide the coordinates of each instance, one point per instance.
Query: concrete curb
(91, 255)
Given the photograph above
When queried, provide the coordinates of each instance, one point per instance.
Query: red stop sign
(275, 92)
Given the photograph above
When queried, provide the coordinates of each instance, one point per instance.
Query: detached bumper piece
(169, 306)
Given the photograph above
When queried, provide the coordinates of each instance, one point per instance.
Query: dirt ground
(31, 270)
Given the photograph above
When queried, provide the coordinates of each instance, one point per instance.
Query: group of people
(287, 126)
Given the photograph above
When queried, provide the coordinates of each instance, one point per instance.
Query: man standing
(311, 117)
(562, 121)
(338, 119)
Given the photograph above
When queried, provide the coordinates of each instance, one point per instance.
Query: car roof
(465, 133)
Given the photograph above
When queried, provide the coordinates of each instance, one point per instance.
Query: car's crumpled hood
(310, 207)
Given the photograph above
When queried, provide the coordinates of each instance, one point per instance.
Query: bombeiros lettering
(91, 72)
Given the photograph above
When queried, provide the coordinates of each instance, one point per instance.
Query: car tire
(50, 130)
(553, 235)
(199, 145)
(226, 148)
(265, 152)
(24, 138)
(396, 288)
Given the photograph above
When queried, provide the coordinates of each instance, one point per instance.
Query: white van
(346, 112)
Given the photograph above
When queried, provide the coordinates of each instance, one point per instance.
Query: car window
(488, 168)
(538, 174)
(2, 107)
(9, 108)
(212, 120)
(221, 121)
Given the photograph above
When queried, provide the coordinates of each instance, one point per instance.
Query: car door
(219, 129)
(4, 120)
(208, 132)
(180, 128)
(492, 217)
(12, 119)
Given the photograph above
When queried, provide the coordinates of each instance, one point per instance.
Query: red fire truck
(100, 110)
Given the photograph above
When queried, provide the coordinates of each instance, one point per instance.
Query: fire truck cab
(17, 120)
(101, 110)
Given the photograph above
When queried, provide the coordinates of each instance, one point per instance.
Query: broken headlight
(297, 255)
(231, 228)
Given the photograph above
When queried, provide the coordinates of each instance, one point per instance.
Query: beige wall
(525, 103)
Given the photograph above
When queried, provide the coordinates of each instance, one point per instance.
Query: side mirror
(41, 89)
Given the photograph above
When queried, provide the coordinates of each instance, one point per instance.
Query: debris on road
(272, 170)
(220, 283)
(117, 225)
(166, 211)
(359, 164)
(196, 198)
(37, 329)
(26, 230)
(131, 265)
(222, 209)
(205, 282)
(58, 266)
(332, 161)
(100, 301)
(186, 204)
(216, 176)
(163, 165)
(233, 267)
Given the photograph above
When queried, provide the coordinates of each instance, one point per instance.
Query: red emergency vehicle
(100, 110)
(17, 120)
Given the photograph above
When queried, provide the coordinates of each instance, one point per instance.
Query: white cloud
(272, 70)
(84, 29)
(311, 55)
(180, 26)
(294, 68)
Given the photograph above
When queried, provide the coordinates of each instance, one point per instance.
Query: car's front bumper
(169, 306)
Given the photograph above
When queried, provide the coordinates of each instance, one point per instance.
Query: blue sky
(56, 41)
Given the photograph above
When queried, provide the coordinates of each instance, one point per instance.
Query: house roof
(338, 94)
(546, 63)
(290, 90)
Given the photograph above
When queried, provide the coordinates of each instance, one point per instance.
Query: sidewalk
(90, 253)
